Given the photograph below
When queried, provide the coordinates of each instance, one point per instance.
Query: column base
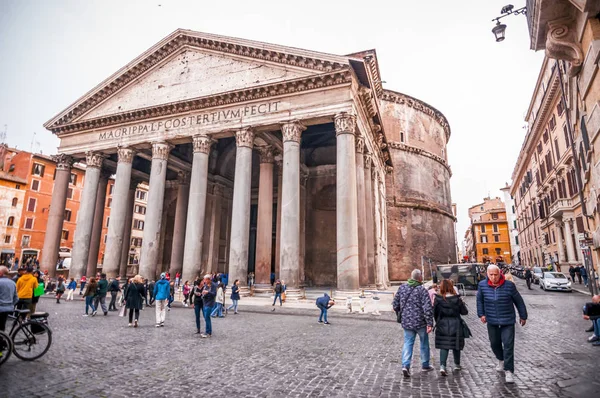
(262, 290)
(245, 291)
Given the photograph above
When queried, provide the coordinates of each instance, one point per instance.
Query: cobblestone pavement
(286, 353)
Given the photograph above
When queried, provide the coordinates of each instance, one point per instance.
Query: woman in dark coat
(134, 299)
(447, 309)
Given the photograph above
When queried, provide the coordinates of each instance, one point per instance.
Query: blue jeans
(197, 310)
(234, 306)
(502, 341)
(409, 342)
(170, 300)
(89, 302)
(207, 311)
(596, 323)
(217, 310)
(275, 299)
(323, 313)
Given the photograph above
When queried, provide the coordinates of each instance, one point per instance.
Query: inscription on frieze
(189, 121)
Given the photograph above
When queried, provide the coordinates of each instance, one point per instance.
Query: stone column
(124, 261)
(154, 210)
(370, 227)
(278, 222)
(194, 230)
(569, 241)
(289, 261)
(561, 247)
(85, 217)
(179, 228)
(240, 214)
(346, 203)
(215, 230)
(118, 213)
(56, 215)
(302, 269)
(264, 231)
(363, 266)
(92, 264)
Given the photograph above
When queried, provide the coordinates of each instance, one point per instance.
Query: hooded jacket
(26, 285)
(323, 301)
(161, 290)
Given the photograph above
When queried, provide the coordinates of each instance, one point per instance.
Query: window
(140, 209)
(484, 239)
(111, 188)
(25, 240)
(401, 136)
(557, 150)
(70, 193)
(560, 108)
(545, 136)
(35, 185)
(14, 202)
(31, 204)
(109, 202)
(138, 224)
(495, 227)
(496, 238)
(38, 169)
(513, 209)
(11, 168)
(552, 123)
(105, 237)
(483, 228)
(28, 223)
(64, 235)
(515, 224)
(107, 221)
(7, 239)
(567, 142)
(494, 216)
(17, 186)
(498, 251)
(11, 221)
(141, 195)
(539, 148)
(485, 251)
(136, 242)
(67, 215)
(73, 179)
(517, 240)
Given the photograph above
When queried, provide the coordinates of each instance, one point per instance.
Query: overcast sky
(440, 51)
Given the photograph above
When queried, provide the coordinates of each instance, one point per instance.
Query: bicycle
(6, 347)
(31, 338)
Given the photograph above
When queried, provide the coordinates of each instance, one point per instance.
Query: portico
(256, 155)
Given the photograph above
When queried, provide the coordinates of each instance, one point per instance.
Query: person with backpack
(449, 334)
(278, 290)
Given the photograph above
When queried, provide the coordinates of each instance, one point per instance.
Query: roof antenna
(32, 141)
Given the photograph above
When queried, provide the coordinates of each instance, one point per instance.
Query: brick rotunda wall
(419, 204)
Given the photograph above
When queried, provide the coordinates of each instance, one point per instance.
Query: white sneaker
(130, 325)
(509, 377)
(500, 366)
(593, 338)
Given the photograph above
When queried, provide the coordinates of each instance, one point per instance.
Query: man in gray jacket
(8, 296)
(412, 302)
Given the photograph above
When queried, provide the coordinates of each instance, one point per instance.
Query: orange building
(490, 232)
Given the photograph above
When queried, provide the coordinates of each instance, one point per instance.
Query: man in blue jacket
(161, 294)
(496, 301)
(324, 303)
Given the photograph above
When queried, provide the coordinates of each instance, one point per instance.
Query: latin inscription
(190, 121)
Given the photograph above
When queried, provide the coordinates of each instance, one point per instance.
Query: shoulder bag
(399, 313)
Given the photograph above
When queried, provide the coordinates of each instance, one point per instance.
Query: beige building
(259, 158)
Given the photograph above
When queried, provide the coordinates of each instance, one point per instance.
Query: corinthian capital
(63, 162)
(367, 160)
(125, 154)
(291, 131)
(345, 123)
(360, 144)
(266, 154)
(160, 150)
(244, 137)
(94, 159)
(202, 143)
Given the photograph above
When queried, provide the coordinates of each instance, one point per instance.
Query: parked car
(537, 274)
(555, 281)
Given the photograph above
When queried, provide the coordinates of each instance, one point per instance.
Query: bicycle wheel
(31, 340)
(6, 347)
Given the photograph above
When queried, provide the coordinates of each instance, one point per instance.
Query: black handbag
(465, 329)
(399, 313)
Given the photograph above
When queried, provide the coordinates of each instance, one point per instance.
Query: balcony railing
(560, 206)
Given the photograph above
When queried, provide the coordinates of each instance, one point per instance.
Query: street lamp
(500, 29)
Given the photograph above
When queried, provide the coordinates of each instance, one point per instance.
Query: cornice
(423, 206)
(421, 152)
(411, 102)
(180, 39)
(226, 98)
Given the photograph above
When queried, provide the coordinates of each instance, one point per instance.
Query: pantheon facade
(259, 158)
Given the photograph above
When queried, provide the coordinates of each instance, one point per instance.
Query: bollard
(376, 304)
(363, 302)
(349, 304)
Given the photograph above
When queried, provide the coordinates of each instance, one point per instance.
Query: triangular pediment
(188, 65)
(193, 73)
